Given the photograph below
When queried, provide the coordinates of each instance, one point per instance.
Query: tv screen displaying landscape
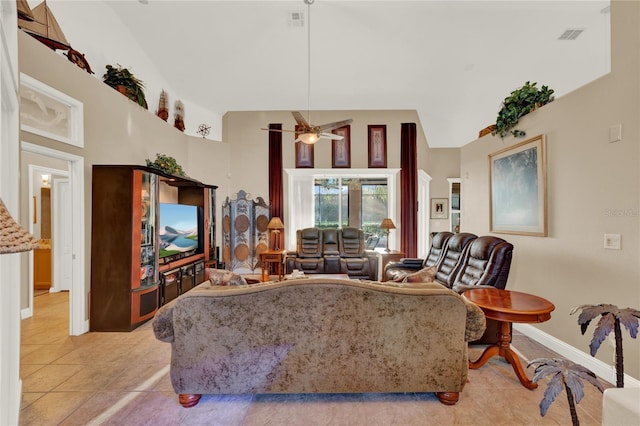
(178, 229)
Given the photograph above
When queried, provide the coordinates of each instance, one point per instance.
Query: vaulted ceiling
(451, 61)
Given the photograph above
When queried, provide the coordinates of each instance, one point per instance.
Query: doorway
(75, 237)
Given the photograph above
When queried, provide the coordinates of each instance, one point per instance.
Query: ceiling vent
(571, 34)
(296, 19)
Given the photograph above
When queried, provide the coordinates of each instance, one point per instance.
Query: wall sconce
(13, 237)
(387, 225)
(45, 181)
(275, 225)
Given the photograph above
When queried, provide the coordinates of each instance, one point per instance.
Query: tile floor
(122, 379)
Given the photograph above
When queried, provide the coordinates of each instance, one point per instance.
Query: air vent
(296, 19)
(571, 34)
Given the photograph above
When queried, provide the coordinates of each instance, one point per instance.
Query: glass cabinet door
(148, 238)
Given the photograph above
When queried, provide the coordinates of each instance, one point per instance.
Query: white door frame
(78, 295)
(424, 182)
(32, 169)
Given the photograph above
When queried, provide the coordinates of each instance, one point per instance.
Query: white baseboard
(601, 369)
(26, 313)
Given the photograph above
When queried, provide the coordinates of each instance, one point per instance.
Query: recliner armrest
(461, 288)
(412, 261)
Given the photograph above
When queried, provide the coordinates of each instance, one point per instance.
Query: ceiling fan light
(309, 138)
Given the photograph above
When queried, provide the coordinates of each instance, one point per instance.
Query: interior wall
(593, 189)
(249, 145)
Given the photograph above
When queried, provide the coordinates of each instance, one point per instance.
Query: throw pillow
(424, 275)
(224, 277)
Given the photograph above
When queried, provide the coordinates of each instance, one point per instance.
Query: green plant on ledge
(125, 82)
(521, 102)
(166, 164)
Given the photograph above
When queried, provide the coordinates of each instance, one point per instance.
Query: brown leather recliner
(353, 259)
(332, 251)
(309, 251)
(485, 264)
(454, 251)
(395, 270)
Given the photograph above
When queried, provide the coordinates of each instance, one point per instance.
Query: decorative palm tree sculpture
(564, 374)
(611, 319)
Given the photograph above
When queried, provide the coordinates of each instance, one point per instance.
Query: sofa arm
(163, 323)
(476, 322)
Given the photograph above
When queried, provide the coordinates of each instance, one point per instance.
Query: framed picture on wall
(518, 189)
(377, 145)
(304, 155)
(439, 208)
(341, 149)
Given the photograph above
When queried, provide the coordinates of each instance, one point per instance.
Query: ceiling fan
(307, 132)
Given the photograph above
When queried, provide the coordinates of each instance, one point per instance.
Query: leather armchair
(394, 270)
(332, 251)
(454, 251)
(485, 264)
(309, 251)
(354, 260)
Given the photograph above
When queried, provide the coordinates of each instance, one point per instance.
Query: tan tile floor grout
(122, 379)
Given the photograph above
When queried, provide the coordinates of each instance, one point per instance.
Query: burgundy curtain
(275, 176)
(409, 195)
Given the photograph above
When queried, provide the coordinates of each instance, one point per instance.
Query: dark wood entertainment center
(129, 280)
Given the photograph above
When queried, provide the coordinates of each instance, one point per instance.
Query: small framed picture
(377, 145)
(439, 208)
(341, 149)
(304, 155)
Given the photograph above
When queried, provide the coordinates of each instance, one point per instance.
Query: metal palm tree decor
(565, 374)
(611, 319)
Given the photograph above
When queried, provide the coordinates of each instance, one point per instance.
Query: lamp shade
(309, 138)
(13, 237)
(387, 224)
(275, 223)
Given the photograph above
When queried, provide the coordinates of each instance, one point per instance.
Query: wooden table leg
(503, 349)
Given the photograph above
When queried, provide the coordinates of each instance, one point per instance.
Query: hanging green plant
(125, 82)
(166, 164)
(521, 102)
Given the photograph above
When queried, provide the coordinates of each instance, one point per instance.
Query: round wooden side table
(506, 307)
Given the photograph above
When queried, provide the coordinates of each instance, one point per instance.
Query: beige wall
(593, 189)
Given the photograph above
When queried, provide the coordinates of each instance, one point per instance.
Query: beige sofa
(318, 336)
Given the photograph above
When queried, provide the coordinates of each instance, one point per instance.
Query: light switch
(615, 133)
(612, 241)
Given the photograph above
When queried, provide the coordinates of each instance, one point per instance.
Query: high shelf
(133, 272)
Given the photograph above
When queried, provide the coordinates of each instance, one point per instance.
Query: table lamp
(275, 225)
(387, 225)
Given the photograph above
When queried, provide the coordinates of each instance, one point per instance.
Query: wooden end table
(386, 257)
(506, 307)
(269, 257)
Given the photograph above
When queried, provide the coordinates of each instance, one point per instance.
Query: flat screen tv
(178, 229)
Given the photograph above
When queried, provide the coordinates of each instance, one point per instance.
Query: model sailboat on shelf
(44, 26)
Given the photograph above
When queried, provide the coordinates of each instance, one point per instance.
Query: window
(330, 198)
(358, 202)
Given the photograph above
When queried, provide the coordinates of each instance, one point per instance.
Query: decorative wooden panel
(244, 232)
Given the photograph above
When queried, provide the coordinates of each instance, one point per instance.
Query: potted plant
(166, 164)
(125, 82)
(521, 102)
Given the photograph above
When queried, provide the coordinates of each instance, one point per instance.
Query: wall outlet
(612, 241)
